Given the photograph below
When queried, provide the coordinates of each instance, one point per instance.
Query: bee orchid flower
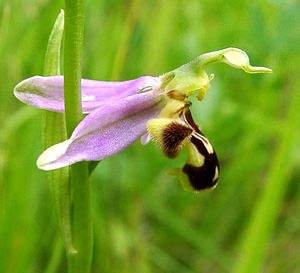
(120, 112)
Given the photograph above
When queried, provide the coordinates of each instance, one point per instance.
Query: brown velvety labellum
(173, 137)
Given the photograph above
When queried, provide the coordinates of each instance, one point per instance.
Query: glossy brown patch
(204, 176)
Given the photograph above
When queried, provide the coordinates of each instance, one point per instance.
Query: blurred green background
(143, 220)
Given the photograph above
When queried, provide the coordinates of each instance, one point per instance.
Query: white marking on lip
(216, 174)
(205, 142)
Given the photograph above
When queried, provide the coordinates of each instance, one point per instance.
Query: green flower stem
(53, 132)
(254, 243)
(74, 26)
(82, 232)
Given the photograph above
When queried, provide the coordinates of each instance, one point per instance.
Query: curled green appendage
(234, 57)
(239, 59)
(189, 77)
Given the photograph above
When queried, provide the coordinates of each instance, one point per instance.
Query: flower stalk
(74, 27)
(82, 232)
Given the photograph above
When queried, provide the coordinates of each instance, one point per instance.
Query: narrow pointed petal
(104, 132)
(47, 92)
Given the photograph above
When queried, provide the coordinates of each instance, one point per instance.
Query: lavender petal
(106, 131)
(47, 92)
